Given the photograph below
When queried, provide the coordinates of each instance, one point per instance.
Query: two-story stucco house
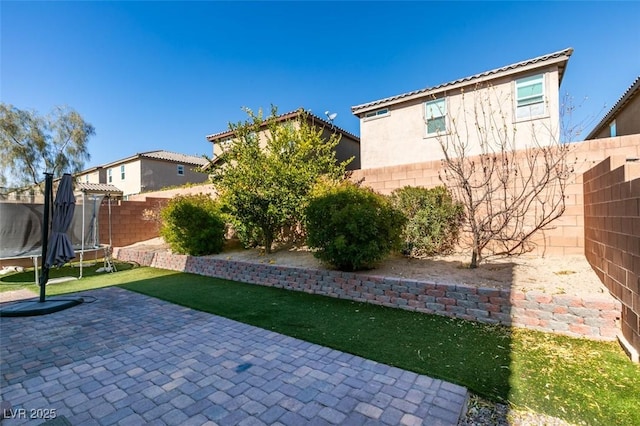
(623, 118)
(521, 100)
(147, 171)
(348, 147)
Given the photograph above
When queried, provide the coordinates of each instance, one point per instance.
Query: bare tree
(512, 185)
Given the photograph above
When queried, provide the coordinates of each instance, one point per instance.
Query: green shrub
(193, 224)
(434, 220)
(352, 228)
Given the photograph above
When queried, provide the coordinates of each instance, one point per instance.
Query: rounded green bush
(352, 228)
(193, 224)
(434, 220)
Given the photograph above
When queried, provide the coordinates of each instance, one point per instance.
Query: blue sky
(163, 75)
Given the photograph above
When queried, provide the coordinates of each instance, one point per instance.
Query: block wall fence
(594, 317)
(568, 235)
(566, 238)
(612, 237)
(131, 221)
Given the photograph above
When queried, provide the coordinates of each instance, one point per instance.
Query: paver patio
(129, 359)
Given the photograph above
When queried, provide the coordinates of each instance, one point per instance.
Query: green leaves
(352, 227)
(31, 145)
(434, 219)
(193, 224)
(268, 171)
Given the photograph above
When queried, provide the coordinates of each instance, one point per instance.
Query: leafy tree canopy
(268, 170)
(31, 145)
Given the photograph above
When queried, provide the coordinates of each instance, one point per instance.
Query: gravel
(483, 412)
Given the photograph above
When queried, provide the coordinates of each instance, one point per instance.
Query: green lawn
(574, 379)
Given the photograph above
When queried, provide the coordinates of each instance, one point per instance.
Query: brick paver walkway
(128, 359)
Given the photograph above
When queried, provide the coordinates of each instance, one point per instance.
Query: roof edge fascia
(518, 68)
(624, 99)
(284, 117)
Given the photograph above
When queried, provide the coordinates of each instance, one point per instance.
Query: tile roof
(175, 157)
(158, 155)
(561, 56)
(98, 188)
(288, 116)
(626, 97)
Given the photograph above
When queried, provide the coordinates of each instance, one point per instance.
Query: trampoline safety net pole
(84, 201)
(112, 264)
(35, 268)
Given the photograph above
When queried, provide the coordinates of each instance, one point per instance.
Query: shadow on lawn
(464, 352)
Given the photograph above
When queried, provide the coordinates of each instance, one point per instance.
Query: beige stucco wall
(627, 120)
(400, 137)
(346, 149)
(93, 176)
(156, 175)
(131, 182)
(144, 175)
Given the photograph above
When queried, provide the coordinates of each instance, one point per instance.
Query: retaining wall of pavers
(594, 317)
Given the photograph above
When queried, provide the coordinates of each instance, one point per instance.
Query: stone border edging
(594, 317)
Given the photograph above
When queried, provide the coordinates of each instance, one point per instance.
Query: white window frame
(613, 129)
(110, 175)
(180, 169)
(379, 113)
(527, 107)
(122, 174)
(442, 114)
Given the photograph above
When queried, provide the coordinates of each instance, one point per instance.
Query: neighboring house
(147, 171)
(349, 145)
(623, 119)
(521, 99)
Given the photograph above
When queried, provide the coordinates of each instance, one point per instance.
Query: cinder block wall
(568, 236)
(594, 316)
(612, 235)
(566, 239)
(130, 222)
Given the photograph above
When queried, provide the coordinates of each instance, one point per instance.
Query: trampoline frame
(85, 190)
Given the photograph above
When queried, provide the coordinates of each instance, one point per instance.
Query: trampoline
(21, 228)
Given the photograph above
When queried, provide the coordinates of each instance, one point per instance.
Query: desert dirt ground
(570, 275)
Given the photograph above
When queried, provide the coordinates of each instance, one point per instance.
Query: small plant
(352, 228)
(193, 224)
(434, 220)
(154, 214)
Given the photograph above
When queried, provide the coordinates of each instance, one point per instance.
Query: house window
(612, 129)
(530, 96)
(180, 170)
(435, 116)
(86, 178)
(109, 175)
(122, 172)
(378, 113)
